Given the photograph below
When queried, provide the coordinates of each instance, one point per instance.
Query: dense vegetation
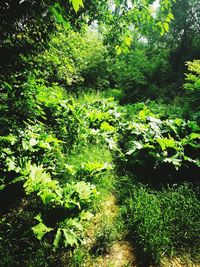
(99, 101)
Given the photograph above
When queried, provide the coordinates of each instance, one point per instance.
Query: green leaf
(10, 138)
(70, 238)
(57, 14)
(93, 167)
(39, 181)
(105, 126)
(166, 26)
(75, 224)
(118, 49)
(194, 136)
(127, 40)
(40, 229)
(10, 162)
(171, 16)
(70, 169)
(165, 142)
(84, 190)
(57, 239)
(76, 4)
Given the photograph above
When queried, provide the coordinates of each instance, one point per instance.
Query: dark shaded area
(10, 197)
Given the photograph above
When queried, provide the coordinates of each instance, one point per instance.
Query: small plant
(104, 238)
(33, 144)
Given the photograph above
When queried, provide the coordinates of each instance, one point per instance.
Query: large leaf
(57, 239)
(70, 238)
(40, 229)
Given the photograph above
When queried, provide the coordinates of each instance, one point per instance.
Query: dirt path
(120, 253)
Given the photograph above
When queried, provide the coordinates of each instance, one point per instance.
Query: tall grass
(162, 223)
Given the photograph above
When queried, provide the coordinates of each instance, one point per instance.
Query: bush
(159, 151)
(72, 59)
(137, 71)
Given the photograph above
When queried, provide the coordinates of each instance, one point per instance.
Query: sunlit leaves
(193, 77)
(57, 12)
(150, 139)
(40, 229)
(57, 239)
(77, 4)
(166, 26)
(68, 197)
(170, 16)
(127, 40)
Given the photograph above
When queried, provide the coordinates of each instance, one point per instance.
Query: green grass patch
(162, 223)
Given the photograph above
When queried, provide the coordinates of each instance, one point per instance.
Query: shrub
(72, 59)
(159, 151)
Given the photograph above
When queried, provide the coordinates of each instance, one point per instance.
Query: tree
(183, 38)
(27, 24)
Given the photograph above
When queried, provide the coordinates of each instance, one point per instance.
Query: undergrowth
(61, 166)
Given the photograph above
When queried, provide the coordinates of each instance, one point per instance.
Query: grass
(103, 232)
(162, 223)
(93, 153)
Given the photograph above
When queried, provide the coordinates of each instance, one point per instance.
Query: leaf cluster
(160, 151)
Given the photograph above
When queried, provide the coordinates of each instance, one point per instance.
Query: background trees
(183, 38)
(26, 25)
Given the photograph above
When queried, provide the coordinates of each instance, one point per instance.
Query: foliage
(67, 64)
(27, 25)
(160, 151)
(58, 141)
(192, 87)
(183, 36)
(139, 78)
(31, 144)
(71, 58)
(193, 78)
(69, 197)
(137, 17)
(34, 159)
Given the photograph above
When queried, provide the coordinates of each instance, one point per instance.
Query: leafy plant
(156, 148)
(69, 198)
(192, 78)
